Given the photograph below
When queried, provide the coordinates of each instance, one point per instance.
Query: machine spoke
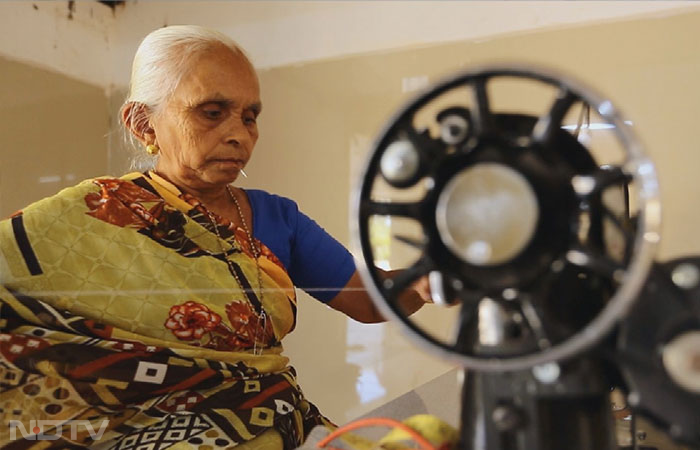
(600, 180)
(534, 321)
(596, 263)
(611, 176)
(426, 146)
(401, 209)
(626, 228)
(482, 118)
(548, 124)
(466, 328)
(393, 287)
(412, 242)
(623, 227)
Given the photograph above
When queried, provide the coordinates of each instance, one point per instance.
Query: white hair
(160, 62)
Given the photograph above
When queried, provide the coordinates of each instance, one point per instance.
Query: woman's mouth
(229, 162)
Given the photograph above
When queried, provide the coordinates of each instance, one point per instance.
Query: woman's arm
(355, 302)
(318, 263)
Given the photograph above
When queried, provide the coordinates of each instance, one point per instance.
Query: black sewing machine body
(568, 405)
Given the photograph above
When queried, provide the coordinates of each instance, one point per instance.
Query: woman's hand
(422, 288)
(355, 302)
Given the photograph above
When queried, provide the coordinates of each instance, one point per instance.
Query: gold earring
(152, 149)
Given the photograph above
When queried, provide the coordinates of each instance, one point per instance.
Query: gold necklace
(262, 316)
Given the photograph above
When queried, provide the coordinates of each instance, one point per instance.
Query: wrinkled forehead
(219, 70)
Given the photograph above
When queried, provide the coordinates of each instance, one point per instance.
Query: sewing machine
(538, 241)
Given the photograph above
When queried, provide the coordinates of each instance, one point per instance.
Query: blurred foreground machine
(539, 234)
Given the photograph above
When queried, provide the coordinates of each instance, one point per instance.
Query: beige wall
(52, 133)
(317, 121)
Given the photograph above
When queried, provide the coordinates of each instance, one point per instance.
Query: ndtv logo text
(37, 427)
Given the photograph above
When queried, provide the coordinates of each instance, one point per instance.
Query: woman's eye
(212, 110)
(251, 120)
(213, 113)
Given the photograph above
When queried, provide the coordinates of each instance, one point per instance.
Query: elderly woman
(154, 305)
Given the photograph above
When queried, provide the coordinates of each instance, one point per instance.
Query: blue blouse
(315, 261)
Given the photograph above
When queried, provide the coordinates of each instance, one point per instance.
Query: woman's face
(207, 129)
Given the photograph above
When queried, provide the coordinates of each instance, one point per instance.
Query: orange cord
(377, 421)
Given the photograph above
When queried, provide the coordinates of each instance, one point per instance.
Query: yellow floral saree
(122, 326)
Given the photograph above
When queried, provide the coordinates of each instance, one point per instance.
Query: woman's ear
(136, 119)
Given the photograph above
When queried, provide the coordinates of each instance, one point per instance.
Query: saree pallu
(128, 322)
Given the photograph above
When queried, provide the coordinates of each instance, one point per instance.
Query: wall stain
(71, 9)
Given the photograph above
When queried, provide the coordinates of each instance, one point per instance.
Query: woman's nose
(233, 141)
(237, 133)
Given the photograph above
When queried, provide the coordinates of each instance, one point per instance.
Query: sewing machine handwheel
(538, 281)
